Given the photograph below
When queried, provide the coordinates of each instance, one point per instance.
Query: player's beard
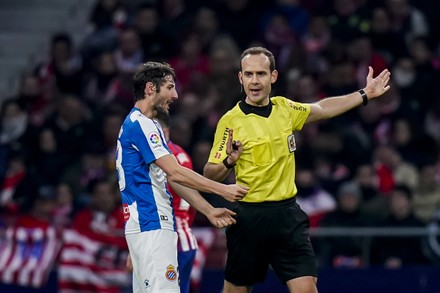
(162, 105)
(159, 109)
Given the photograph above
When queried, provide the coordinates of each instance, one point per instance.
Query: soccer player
(256, 138)
(145, 167)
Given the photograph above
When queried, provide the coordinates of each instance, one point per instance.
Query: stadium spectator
(315, 201)
(155, 45)
(70, 125)
(102, 218)
(345, 251)
(426, 197)
(64, 67)
(128, 54)
(394, 252)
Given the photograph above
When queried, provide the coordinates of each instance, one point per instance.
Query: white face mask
(403, 78)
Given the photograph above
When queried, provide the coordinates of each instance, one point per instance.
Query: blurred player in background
(184, 213)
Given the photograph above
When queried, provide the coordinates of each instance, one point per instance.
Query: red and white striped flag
(88, 265)
(27, 255)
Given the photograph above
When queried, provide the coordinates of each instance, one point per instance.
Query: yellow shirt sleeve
(299, 113)
(218, 150)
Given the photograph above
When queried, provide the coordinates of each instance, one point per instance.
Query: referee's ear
(240, 77)
(274, 76)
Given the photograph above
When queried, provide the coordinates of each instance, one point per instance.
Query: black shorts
(269, 233)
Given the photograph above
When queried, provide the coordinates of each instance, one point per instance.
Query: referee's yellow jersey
(267, 164)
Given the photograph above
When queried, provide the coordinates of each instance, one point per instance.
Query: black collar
(260, 111)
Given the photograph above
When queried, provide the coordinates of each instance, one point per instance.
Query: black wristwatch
(364, 97)
(227, 165)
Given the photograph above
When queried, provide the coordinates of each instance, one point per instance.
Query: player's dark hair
(257, 51)
(154, 72)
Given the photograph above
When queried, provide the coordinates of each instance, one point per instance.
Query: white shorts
(154, 258)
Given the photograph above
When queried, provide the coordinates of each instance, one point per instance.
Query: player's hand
(234, 148)
(221, 217)
(234, 192)
(379, 85)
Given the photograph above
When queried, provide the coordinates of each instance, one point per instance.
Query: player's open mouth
(255, 91)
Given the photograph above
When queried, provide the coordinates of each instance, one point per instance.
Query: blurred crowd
(373, 166)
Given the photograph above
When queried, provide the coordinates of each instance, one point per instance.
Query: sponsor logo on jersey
(224, 139)
(126, 211)
(154, 138)
(298, 107)
(171, 273)
(218, 155)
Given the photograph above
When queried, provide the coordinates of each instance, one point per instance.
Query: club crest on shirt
(291, 143)
(154, 138)
(171, 273)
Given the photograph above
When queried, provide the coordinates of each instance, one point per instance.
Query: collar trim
(263, 111)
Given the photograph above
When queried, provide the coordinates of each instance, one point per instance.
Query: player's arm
(219, 217)
(186, 177)
(334, 106)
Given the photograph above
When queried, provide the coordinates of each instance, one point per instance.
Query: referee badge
(171, 273)
(291, 143)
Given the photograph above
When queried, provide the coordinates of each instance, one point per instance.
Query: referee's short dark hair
(257, 51)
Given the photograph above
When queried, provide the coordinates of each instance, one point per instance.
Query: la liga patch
(154, 138)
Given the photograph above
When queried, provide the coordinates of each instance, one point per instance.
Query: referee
(256, 139)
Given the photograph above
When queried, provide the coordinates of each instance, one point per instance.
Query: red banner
(27, 255)
(88, 265)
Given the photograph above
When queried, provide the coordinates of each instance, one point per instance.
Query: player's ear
(240, 75)
(149, 88)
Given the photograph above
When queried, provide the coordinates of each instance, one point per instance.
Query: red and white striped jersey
(183, 211)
